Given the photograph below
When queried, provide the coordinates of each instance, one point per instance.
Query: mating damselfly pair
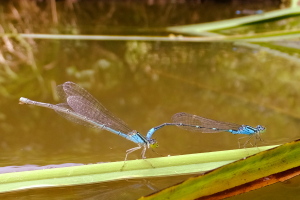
(81, 107)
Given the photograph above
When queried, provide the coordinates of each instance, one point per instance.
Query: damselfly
(81, 107)
(196, 123)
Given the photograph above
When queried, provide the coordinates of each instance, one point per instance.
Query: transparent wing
(82, 102)
(196, 123)
(72, 118)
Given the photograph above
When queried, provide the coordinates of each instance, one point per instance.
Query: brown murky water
(143, 83)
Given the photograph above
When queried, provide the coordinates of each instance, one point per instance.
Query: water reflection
(9, 169)
(211, 80)
(206, 79)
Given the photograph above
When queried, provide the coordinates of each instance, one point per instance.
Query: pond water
(144, 84)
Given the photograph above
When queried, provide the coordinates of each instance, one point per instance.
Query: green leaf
(263, 164)
(199, 29)
(95, 173)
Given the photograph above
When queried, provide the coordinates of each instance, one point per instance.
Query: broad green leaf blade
(263, 164)
(95, 173)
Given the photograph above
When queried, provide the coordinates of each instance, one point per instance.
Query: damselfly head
(153, 143)
(260, 129)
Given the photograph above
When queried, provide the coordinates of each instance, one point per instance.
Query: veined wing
(83, 103)
(196, 123)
